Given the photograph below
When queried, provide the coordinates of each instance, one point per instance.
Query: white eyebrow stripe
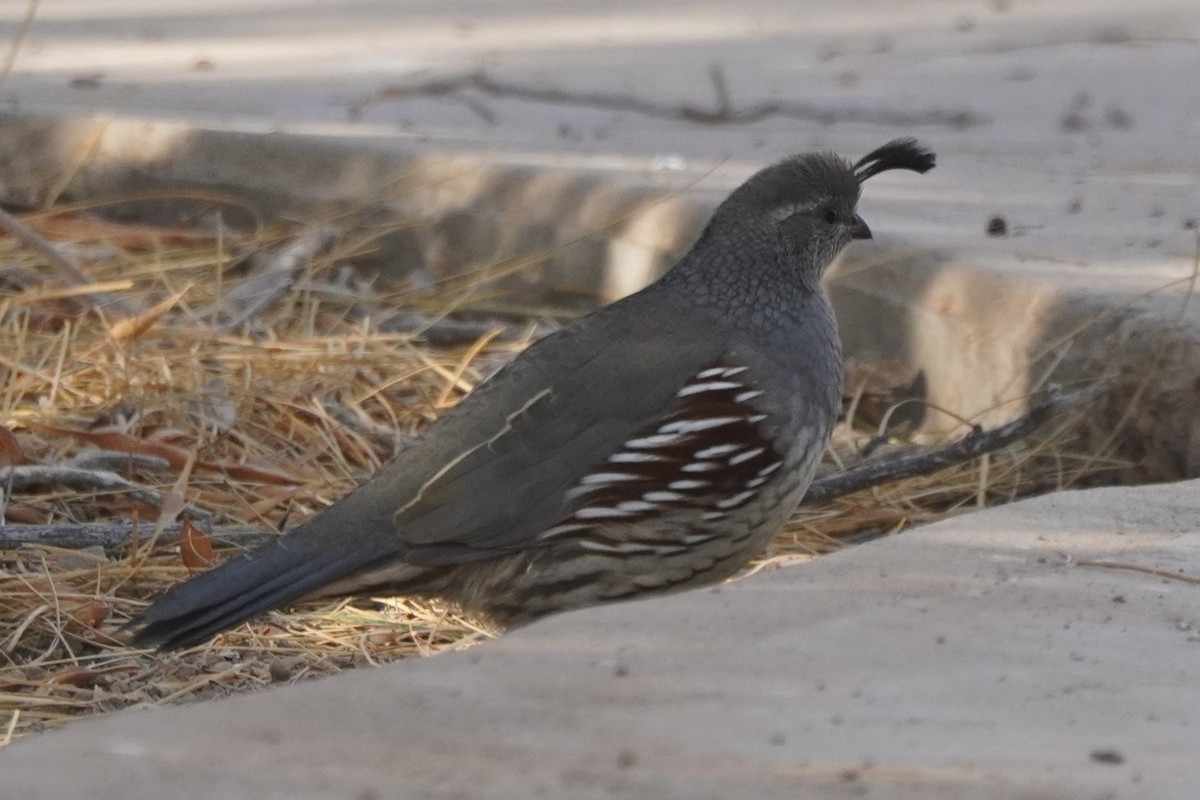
(780, 213)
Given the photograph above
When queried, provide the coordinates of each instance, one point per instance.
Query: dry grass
(261, 427)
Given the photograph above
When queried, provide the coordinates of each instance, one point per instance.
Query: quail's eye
(830, 215)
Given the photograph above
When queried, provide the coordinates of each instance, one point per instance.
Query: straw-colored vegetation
(204, 403)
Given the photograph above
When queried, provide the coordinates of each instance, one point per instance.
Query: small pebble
(1107, 757)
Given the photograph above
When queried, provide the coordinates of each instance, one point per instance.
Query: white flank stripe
(600, 512)
(711, 372)
(736, 500)
(767, 470)
(746, 456)
(711, 515)
(754, 483)
(688, 484)
(579, 491)
(744, 396)
(699, 466)
(626, 547)
(731, 371)
(697, 425)
(661, 497)
(757, 417)
(597, 547)
(707, 386)
(717, 450)
(558, 530)
(665, 437)
(634, 506)
(633, 458)
(608, 477)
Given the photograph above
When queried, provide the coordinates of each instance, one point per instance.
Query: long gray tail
(243, 587)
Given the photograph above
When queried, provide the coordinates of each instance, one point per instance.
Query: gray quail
(656, 444)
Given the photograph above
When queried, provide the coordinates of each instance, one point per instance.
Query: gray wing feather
(491, 474)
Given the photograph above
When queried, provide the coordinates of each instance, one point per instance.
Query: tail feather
(241, 589)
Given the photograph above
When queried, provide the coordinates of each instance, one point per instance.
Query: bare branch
(116, 535)
(26, 476)
(1044, 405)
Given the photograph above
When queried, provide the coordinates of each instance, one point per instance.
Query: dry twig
(1045, 404)
(721, 113)
(275, 274)
(67, 267)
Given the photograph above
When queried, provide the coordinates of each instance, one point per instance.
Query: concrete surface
(974, 659)
(988, 656)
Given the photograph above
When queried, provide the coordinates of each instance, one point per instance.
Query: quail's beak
(859, 229)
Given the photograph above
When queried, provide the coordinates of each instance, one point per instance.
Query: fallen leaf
(195, 548)
(249, 472)
(24, 514)
(135, 326)
(93, 612)
(122, 442)
(10, 448)
(78, 228)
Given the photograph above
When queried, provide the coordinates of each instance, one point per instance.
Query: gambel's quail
(655, 444)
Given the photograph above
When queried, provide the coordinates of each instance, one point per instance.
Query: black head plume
(896, 154)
